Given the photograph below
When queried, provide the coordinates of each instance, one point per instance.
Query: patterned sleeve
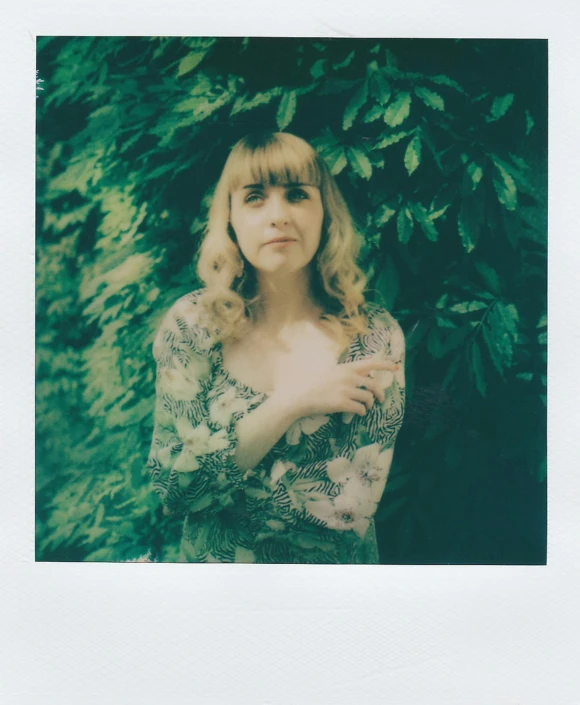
(342, 490)
(191, 458)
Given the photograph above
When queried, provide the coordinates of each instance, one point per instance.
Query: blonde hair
(232, 298)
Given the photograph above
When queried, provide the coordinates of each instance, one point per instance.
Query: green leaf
(543, 322)
(390, 59)
(477, 368)
(243, 103)
(505, 188)
(317, 70)
(430, 98)
(343, 64)
(391, 139)
(383, 214)
(433, 215)
(492, 348)
(398, 111)
(405, 225)
(452, 372)
(445, 322)
(325, 141)
(286, 109)
(380, 87)
(388, 283)
(360, 162)
(373, 114)
(503, 321)
(500, 106)
(489, 276)
(336, 160)
(435, 344)
(412, 157)
(510, 316)
(468, 306)
(189, 62)
(468, 237)
(475, 173)
(529, 123)
(423, 218)
(445, 197)
(354, 105)
(446, 81)
(469, 221)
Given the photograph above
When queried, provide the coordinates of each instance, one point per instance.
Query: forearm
(260, 430)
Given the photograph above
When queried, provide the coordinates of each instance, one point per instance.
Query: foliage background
(440, 147)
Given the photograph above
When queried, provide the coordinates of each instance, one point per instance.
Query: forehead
(275, 165)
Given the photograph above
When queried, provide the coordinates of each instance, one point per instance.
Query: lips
(277, 240)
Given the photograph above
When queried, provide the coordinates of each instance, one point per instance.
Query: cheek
(317, 224)
(241, 229)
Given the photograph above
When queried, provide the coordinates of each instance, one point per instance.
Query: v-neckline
(254, 392)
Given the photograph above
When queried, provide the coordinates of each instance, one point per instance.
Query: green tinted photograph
(291, 300)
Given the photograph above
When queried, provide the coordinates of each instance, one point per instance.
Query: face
(278, 228)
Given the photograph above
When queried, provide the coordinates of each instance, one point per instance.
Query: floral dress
(312, 498)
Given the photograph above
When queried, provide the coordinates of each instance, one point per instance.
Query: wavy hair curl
(232, 298)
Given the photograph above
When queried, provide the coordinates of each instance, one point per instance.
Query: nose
(278, 213)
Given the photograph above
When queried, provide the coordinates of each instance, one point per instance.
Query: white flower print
(307, 425)
(366, 475)
(197, 441)
(275, 524)
(279, 469)
(385, 378)
(183, 382)
(223, 407)
(397, 345)
(343, 513)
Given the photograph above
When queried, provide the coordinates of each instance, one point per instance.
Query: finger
(375, 363)
(354, 407)
(375, 388)
(363, 395)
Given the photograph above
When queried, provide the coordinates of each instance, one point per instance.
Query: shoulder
(185, 322)
(384, 332)
(187, 309)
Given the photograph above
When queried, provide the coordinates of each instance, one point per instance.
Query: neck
(285, 300)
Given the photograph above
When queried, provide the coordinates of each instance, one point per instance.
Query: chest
(259, 360)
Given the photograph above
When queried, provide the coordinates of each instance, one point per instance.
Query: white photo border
(277, 635)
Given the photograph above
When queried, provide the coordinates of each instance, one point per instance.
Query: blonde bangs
(281, 159)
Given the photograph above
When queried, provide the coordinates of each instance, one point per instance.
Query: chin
(281, 266)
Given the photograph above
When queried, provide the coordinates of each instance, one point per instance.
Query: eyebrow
(290, 184)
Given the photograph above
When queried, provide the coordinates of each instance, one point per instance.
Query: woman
(280, 393)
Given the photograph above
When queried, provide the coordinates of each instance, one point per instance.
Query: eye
(297, 194)
(253, 197)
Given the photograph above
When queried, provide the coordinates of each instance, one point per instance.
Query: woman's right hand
(345, 387)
